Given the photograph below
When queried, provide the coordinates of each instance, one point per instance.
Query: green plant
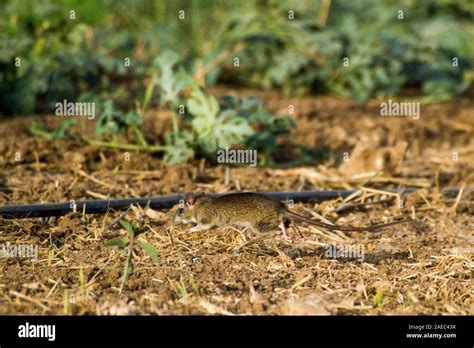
(125, 247)
(170, 80)
(39, 129)
(49, 54)
(207, 125)
(215, 127)
(61, 57)
(362, 50)
(269, 127)
(379, 298)
(113, 121)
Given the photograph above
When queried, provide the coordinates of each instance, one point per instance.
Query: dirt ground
(425, 267)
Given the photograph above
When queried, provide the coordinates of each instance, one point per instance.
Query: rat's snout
(178, 218)
(182, 217)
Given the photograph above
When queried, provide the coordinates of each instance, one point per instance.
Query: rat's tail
(371, 228)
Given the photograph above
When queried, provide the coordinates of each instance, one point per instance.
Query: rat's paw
(195, 229)
(199, 228)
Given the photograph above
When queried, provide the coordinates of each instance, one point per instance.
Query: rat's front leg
(200, 227)
(284, 230)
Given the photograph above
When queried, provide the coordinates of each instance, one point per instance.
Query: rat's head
(186, 211)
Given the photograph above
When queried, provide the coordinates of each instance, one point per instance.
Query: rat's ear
(191, 198)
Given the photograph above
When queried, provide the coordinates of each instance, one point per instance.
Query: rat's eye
(180, 210)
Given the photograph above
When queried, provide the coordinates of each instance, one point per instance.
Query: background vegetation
(297, 47)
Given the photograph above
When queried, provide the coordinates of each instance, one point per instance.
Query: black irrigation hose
(102, 206)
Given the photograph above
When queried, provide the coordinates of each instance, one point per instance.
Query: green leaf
(132, 119)
(216, 129)
(170, 83)
(229, 130)
(120, 242)
(179, 147)
(150, 250)
(204, 108)
(121, 250)
(38, 129)
(112, 121)
(61, 132)
(378, 298)
(148, 94)
(166, 59)
(129, 227)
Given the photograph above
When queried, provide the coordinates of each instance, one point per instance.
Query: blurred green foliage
(59, 57)
(113, 121)
(38, 129)
(293, 47)
(62, 57)
(209, 125)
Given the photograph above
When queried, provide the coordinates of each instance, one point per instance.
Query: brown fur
(239, 209)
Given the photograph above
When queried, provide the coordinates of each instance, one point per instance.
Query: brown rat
(251, 210)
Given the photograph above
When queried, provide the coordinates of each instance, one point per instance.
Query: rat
(252, 210)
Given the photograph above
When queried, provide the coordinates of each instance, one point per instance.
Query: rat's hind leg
(201, 227)
(295, 228)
